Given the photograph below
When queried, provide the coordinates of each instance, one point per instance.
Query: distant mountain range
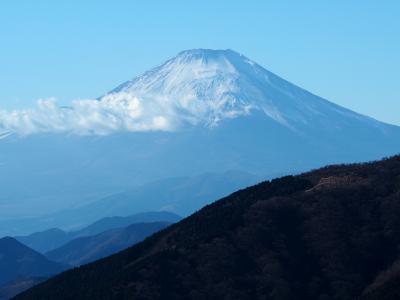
(22, 267)
(329, 234)
(201, 112)
(84, 250)
(51, 239)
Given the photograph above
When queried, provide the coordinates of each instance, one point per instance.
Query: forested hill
(333, 233)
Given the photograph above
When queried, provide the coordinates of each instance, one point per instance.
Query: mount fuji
(202, 112)
(209, 86)
(231, 113)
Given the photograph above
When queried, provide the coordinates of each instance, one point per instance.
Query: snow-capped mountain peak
(204, 86)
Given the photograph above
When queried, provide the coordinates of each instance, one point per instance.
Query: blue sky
(345, 51)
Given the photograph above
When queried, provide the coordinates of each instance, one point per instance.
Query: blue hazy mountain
(18, 260)
(51, 239)
(45, 240)
(201, 111)
(90, 248)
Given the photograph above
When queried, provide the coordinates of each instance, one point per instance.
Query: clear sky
(345, 51)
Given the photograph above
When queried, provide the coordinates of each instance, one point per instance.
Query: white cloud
(121, 112)
(115, 112)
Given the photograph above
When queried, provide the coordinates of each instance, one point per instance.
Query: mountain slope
(54, 238)
(17, 260)
(87, 249)
(327, 234)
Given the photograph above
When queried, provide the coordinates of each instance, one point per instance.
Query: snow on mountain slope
(208, 86)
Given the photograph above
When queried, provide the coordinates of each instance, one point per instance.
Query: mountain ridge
(86, 249)
(48, 240)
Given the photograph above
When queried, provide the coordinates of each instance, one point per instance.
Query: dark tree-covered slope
(333, 233)
(18, 285)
